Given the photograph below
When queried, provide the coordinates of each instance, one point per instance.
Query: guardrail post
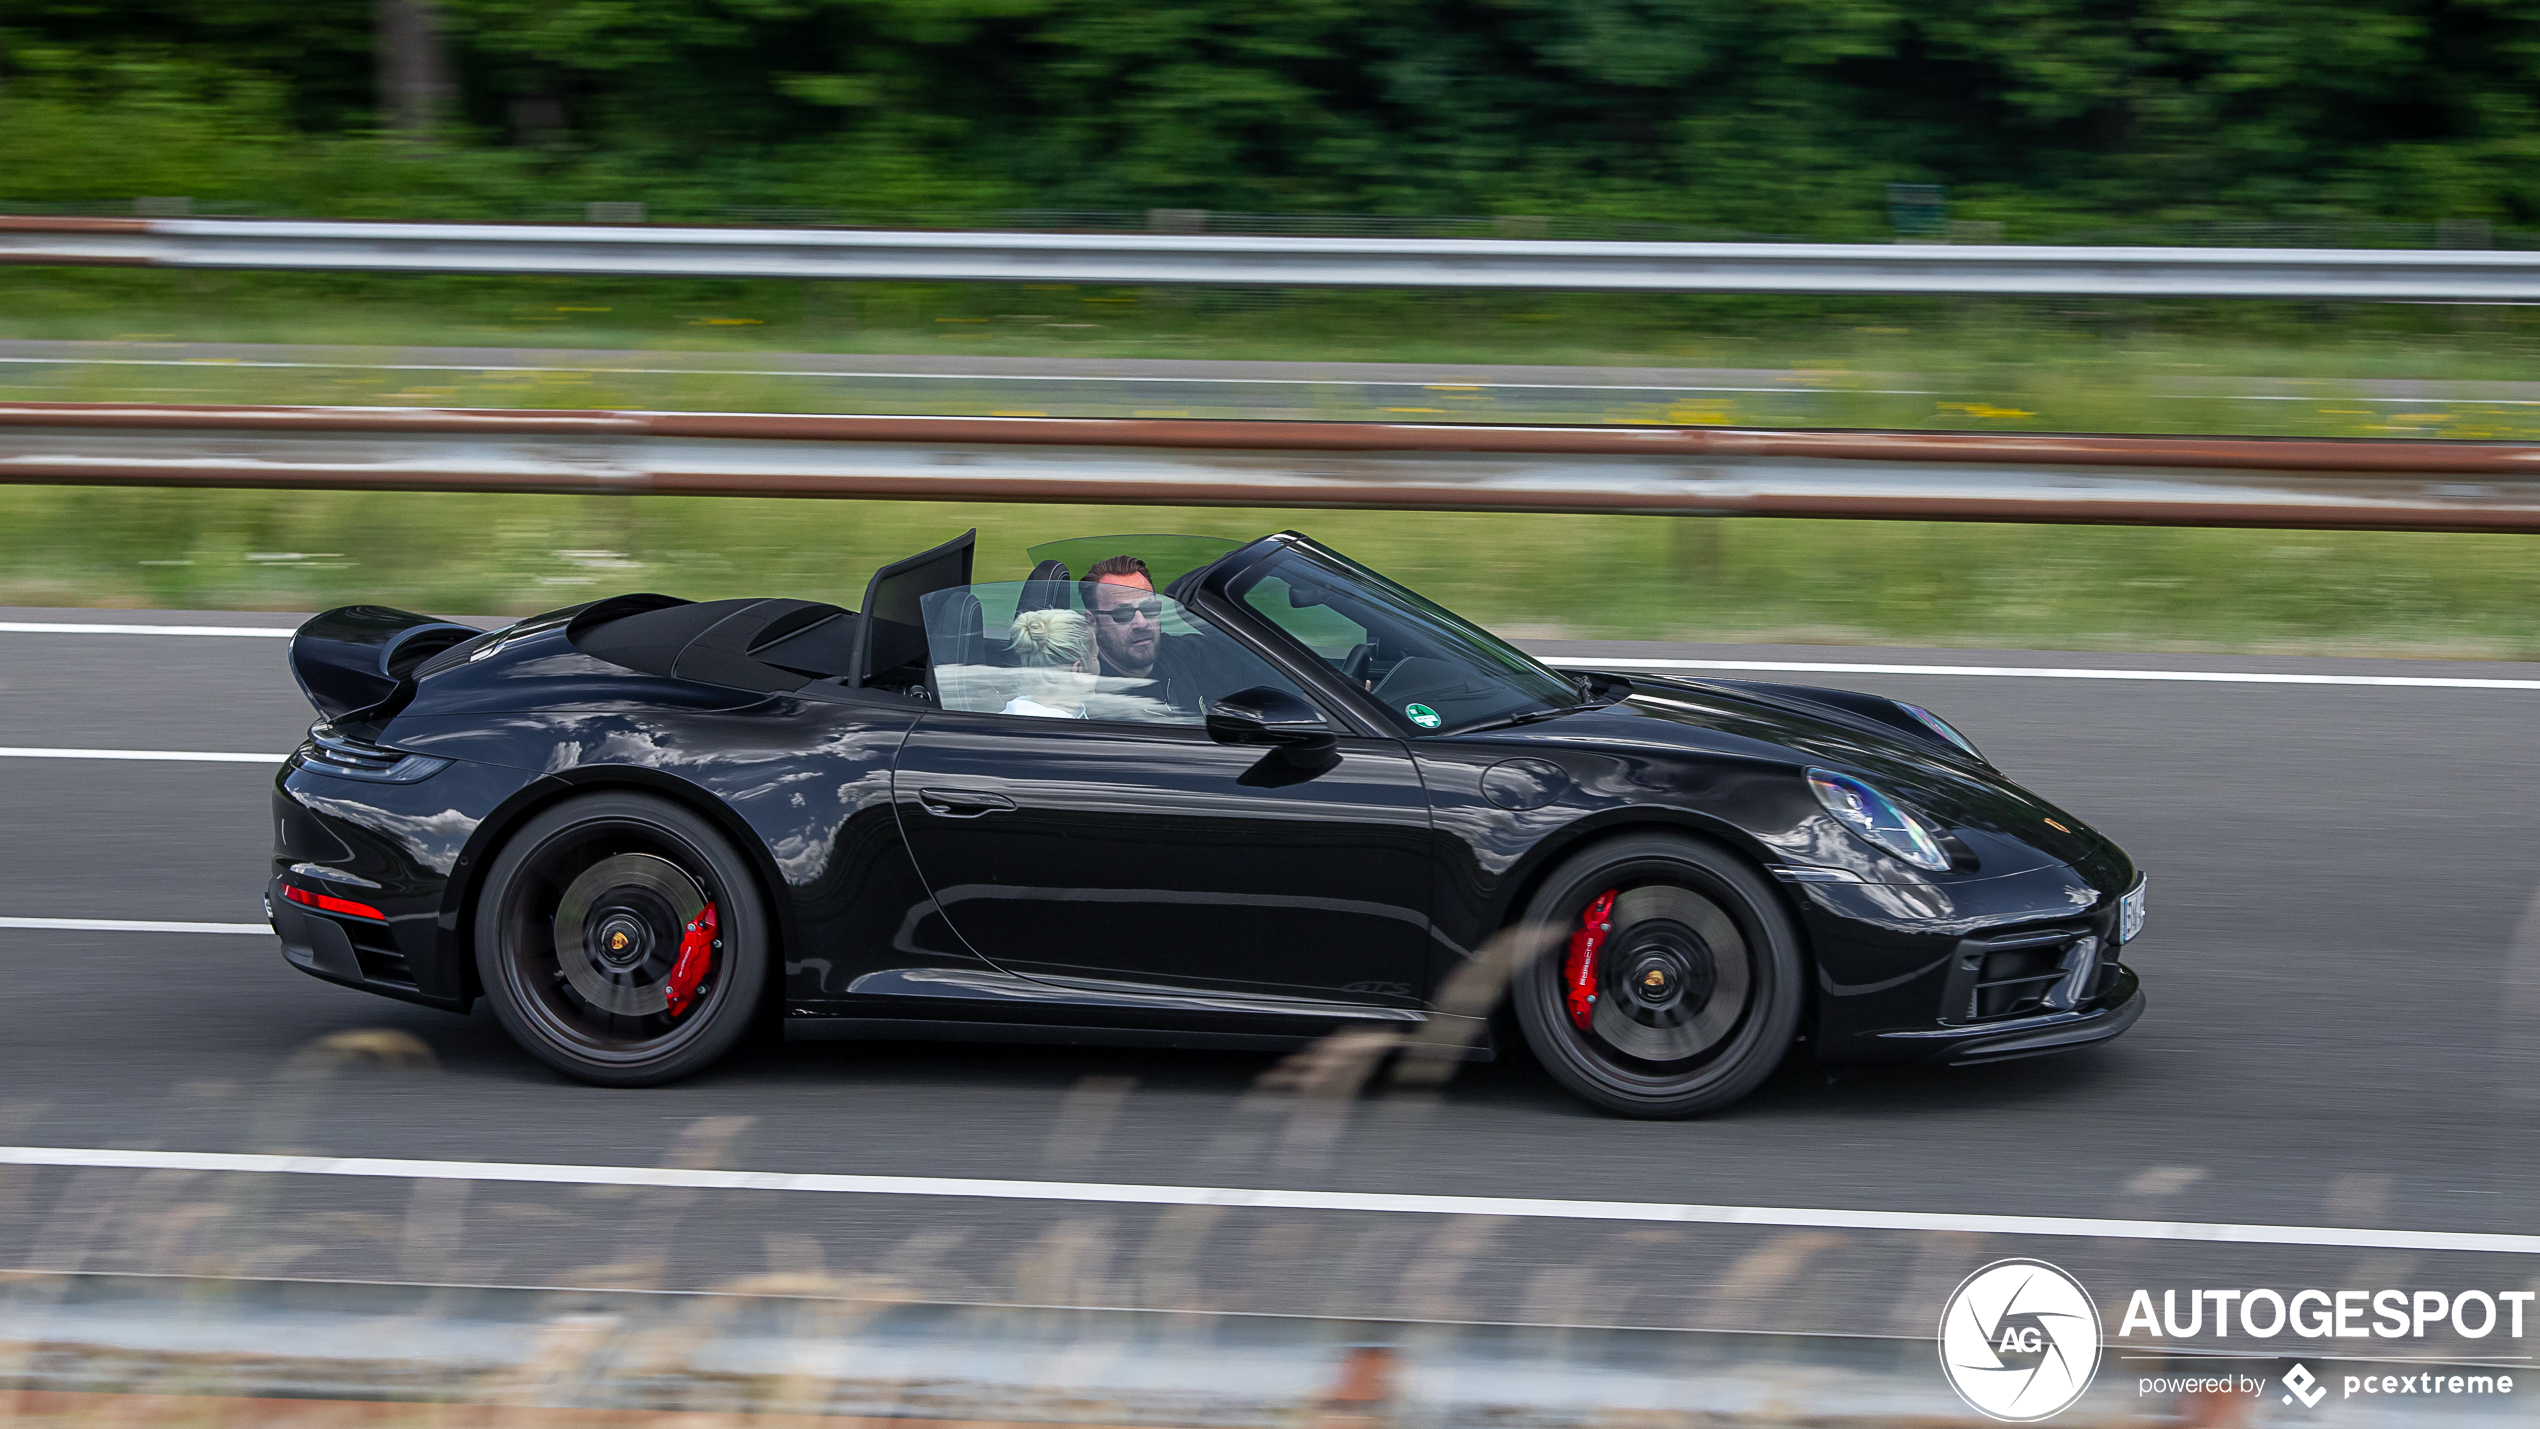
(1363, 1393)
(1694, 551)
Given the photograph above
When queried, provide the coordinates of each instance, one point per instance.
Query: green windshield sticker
(1422, 716)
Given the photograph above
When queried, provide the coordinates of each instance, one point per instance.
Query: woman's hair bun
(1053, 637)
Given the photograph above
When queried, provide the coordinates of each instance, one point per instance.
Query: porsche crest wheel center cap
(622, 940)
(1665, 971)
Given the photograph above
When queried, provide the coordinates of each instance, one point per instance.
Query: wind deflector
(360, 659)
(893, 632)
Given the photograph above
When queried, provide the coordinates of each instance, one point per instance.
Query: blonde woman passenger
(1055, 649)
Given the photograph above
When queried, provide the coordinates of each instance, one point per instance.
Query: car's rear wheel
(1675, 984)
(622, 940)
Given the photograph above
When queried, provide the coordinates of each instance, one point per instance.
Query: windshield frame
(1240, 571)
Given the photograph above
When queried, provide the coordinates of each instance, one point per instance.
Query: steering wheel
(1354, 664)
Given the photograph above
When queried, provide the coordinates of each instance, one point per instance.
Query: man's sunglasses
(1123, 614)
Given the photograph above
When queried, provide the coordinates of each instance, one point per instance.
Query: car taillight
(329, 903)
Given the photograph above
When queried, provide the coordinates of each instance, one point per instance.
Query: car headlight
(1941, 727)
(1875, 817)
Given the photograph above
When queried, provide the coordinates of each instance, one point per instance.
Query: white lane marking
(179, 756)
(64, 627)
(1241, 1196)
(129, 925)
(2022, 672)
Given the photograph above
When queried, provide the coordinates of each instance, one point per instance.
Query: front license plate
(2130, 912)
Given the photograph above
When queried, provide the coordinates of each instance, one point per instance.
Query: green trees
(1779, 116)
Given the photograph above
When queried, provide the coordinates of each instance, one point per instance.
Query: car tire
(1698, 986)
(577, 930)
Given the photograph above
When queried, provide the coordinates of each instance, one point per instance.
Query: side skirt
(912, 1029)
(905, 1029)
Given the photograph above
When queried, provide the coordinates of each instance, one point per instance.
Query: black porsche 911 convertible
(1167, 791)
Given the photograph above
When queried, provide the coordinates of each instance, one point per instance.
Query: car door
(1127, 846)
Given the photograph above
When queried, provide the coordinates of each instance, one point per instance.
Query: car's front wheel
(1673, 982)
(622, 940)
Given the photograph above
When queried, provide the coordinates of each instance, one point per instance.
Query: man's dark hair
(1113, 566)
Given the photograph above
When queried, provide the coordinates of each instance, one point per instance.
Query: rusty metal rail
(662, 250)
(2168, 481)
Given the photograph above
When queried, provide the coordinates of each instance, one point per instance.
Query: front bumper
(1915, 973)
(2111, 1013)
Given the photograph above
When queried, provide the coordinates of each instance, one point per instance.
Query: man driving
(1183, 671)
(1172, 677)
(1128, 617)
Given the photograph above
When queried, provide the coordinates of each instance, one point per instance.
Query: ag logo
(2019, 1341)
(1422, 716)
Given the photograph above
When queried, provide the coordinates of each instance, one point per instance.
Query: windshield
(1431, 670)
(1168, 558)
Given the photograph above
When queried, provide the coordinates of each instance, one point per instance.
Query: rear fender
(459, 897)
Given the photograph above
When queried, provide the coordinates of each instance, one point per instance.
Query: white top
(1020, 705)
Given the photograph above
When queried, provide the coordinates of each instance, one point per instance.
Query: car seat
(1046, 588)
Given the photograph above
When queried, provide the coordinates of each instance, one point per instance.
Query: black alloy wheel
(1697, 978)
(580, 928)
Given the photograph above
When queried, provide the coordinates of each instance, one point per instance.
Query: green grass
(1581, 576)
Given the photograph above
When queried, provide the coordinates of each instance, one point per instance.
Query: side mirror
(1263, 715)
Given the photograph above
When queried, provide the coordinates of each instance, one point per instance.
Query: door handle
(960, 804)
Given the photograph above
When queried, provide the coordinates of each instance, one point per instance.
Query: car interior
(921, 614)
(928, 631)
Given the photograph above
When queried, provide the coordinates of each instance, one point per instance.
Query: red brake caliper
(696, 957)
(1579, 972)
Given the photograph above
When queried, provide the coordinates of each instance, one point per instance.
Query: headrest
(1045, 588)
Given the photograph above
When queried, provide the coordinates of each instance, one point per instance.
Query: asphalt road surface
(2343, 961)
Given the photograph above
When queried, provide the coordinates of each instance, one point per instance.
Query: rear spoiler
(358, 661)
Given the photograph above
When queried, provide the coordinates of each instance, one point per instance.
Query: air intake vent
(2023, 975)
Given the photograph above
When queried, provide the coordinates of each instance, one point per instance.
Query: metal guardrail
(2164, 481)
(2422, 275)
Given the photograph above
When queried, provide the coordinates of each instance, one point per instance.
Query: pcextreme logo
(2305, 1385)
(2019, 1341)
